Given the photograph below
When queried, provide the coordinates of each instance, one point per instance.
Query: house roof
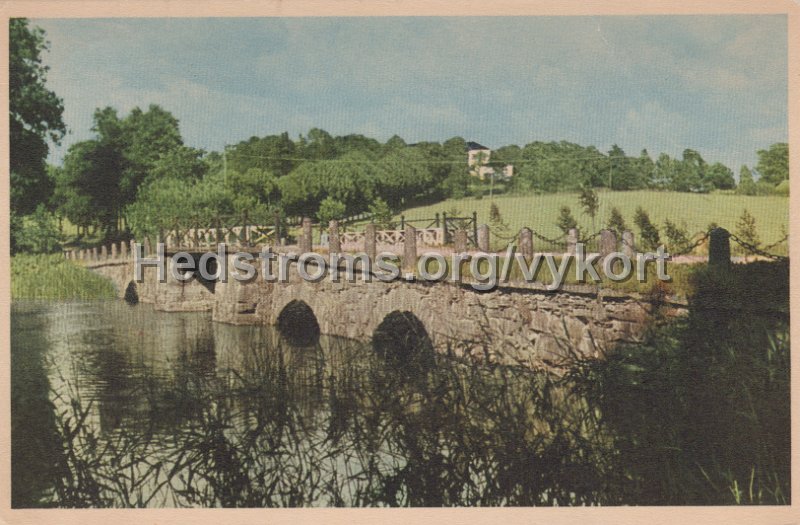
(474, 145)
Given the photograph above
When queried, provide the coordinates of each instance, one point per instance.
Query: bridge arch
(131, 293)
(298, 324)
(401, 337)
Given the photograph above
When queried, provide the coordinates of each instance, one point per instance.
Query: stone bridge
(521, 324)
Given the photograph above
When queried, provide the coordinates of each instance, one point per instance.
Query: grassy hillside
(694, 211)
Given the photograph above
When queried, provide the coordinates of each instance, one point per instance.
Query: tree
(690, 173)
(647, 230)
(747, 185)
(143, 137)
(746, 229)
(89, 184)
(719, 176)
(647, 170)
(616, 223)
(254, 188)
(381, 213)
(330, 209)
(35, 115)
(622, 172)
(39, 234)
(566, 221)
(590, 203)
(499, 227)
(677, 236)
(773, 163)
(161, 201)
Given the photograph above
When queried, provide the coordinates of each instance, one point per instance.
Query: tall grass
(53, 277)
(701, 411)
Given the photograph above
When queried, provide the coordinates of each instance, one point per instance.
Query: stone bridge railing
(425, 237)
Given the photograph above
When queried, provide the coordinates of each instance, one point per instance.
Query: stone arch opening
(131, 295)
(402, 338)
(298, 324)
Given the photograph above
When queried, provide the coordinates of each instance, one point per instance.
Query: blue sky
(713, 83)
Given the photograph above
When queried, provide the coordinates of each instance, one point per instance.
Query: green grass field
(693, 211)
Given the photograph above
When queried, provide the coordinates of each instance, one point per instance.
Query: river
(119, 405)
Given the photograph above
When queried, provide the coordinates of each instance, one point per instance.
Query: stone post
(719, 248)
(123, 250)
(335, 242)
(146, 247)
(94, 253)
(410, 248)
(113, 250)
(483, 237)
(133, 248)
(103, 253)
(608, 242)
(305, 239)
(369, 241)
(627, 244)
(460, 241)
(526, 243)
(572, 240)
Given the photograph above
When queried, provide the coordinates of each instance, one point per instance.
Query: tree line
(136, 174)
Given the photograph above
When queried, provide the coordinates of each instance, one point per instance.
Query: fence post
(306, 245)
(123, 250)
(608, 243)
(526, 243)
(410, 248)
(572, 240)
(369, 241)
(627, 244)
(460, 241)
(103, 253)
(445, 236)
(402, 222)
(719, 248)
(146, 249)
(277, 216)
(113, 250)
(437, 220)
(475, 229)
(482, 238)
(334, 242)
(94, 253)
(245, 232)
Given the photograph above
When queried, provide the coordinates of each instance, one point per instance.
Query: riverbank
(53, 277)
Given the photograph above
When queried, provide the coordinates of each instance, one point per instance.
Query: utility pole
(225, 164)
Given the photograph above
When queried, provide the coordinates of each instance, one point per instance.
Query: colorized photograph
(400, 261)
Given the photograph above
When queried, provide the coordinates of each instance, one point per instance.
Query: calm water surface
(118, 405)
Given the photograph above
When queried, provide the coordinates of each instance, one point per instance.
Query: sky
(714, 83)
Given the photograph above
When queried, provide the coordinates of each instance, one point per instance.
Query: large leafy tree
(35, 116)
(102, 176)
(773, 163)
(88, 185)
(719, 176)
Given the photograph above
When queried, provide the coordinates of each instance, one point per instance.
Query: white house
(478, 159)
